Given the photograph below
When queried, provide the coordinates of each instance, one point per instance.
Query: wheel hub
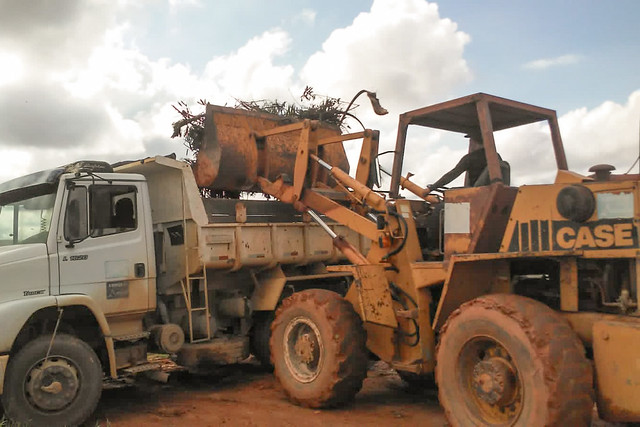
(52, 384)
(494, 381)
(303, 352)
(304, 348)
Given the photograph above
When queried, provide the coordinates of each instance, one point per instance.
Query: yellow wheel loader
(523, 301)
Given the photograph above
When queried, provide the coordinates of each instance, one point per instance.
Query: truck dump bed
(192, 232)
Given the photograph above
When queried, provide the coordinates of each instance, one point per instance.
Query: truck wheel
(318, 349)
(507, 360)
(259, 337)
(62, 390)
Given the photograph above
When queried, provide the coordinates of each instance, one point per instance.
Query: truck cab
(80, 230)
(76, 264)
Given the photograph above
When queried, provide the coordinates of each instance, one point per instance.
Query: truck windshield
(26, 221)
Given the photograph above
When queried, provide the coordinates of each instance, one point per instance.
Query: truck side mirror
(75, 220)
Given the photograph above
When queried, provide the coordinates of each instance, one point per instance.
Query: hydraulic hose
(404, 225)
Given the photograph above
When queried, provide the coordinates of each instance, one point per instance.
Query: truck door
(102, 248)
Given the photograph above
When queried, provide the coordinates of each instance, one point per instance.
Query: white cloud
(110, 100)
(250, 72)
(109, 66)
(401, 49)
(543, 64)
(306, 16)
(14, 162)
(605, 134)
(404, 51)
(54, 34)
(115, 102)
(77, 104)
(11, 68)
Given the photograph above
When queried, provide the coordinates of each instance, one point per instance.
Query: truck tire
(509, 360)
(62, 390)
(318, 349)
(259, 337)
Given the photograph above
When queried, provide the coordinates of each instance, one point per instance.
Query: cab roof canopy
(46, 181)
(462, 115)
(477, 115)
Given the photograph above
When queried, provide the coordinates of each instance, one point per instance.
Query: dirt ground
(246, 395)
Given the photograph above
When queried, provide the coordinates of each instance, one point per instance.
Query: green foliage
(191, 127)
(328, 110)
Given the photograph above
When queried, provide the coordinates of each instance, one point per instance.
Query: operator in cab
(474, 163)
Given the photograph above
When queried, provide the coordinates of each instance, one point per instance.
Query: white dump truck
(101, 265)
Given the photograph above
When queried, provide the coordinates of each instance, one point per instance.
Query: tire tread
(347, 375)
(567, 372)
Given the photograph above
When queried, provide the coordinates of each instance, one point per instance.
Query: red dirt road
(245, 395)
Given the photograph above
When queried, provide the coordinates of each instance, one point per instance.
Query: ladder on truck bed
(187, 282)
(186, 291)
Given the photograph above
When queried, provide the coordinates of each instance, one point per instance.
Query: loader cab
(473, 219)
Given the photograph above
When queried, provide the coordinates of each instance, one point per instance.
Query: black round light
(576, 203)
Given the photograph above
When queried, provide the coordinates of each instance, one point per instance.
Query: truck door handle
(139, 269)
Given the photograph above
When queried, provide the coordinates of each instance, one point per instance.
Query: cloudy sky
(97, 79)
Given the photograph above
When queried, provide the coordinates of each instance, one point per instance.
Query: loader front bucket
(234, 154)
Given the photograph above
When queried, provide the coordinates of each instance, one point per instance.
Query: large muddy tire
(260, 336)
(318, 349)
(507, 360)
(62, 390)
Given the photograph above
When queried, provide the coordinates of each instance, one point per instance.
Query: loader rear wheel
(318, 349)
(507, 360)
(61, 390)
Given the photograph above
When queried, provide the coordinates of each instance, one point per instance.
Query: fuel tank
(240, 145)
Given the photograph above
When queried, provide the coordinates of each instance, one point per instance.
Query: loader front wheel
(318, 349)
(62, 389)
(507, 360)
